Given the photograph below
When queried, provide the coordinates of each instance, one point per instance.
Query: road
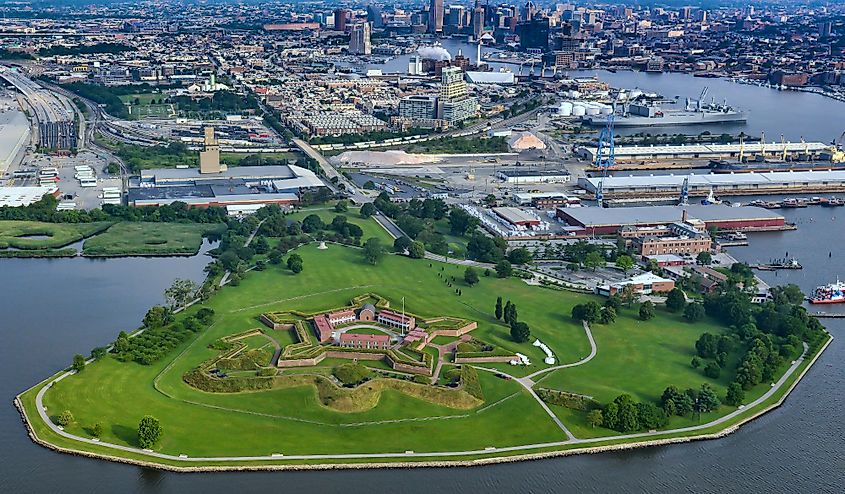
(355, 194)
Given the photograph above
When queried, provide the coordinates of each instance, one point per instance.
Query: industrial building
(533, 176)
(608, 221)
(254, 185)
(721, 184)
(709, 151)
(24, 196)
(545, 200)
(517, 217)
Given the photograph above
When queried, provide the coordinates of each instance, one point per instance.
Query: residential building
(396, 320)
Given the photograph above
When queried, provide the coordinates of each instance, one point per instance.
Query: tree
(461, 222)
(312, 223)
(695, 362)
(594, 418)
(261, 245)
(625, 263)
(149, 431)
(373, 251)
(704, 258)
(275, 257)
(694, 312)
(416, 250)
(594, 260)
(401, 244)
(471, 276)
(157, 317)
(646, 310)
(65, 418)
(341, 207)
(629, 295)
(607, 315)
(180, 293)
(368, 210)
(97, 430)
(611, 416)
(519, 256)
(511, 315)
(707, 399)
(589, 312)
(295, 263)
(712, 370)
(78, 363)
(675, 300)
(503, 269)
(628, 418)
(735, 395)
(520, 332)
(499, 308)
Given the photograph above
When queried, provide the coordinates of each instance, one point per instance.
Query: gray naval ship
(651, 114)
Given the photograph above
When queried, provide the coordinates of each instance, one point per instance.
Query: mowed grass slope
(33, 235)
(146, 239)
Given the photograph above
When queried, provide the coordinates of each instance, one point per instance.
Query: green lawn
(633, 357)
(149, 239)
(34, 235)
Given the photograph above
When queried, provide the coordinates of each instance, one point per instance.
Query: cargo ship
(722, 166)
(651, 114)
(833, 293)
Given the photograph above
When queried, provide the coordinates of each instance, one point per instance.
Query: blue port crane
(606, 158)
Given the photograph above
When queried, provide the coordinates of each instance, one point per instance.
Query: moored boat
(833, 293)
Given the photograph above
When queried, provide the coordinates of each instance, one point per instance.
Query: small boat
(711, 199)
(785, 263)
(833, 293)
(792, 203)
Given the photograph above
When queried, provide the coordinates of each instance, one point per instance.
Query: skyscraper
(435, 16)
(477, 20)
(340, 19)
(374, 15)
(359, 39)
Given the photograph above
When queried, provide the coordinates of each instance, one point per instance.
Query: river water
(52, 309)
(791, 113)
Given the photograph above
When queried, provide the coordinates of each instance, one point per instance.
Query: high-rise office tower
(340, 19)
(435, 16)
(374, 15)
(359, 39)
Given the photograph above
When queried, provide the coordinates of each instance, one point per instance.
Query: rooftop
(515, 215)
(651, 215)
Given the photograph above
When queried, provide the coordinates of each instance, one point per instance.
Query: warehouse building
(608, 221)
(242, 186)
(708, 151)
(529, 176)
(517, 217)
(720, 184)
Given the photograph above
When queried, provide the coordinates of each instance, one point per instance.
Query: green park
(255, 373)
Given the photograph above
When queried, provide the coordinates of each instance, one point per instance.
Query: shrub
(65, 418)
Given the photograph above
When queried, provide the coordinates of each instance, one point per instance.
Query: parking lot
(70, 188)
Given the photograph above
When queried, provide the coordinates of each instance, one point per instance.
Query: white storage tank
(565, 109)
(606, 110)
(579, 110)
(574, 94)
(593, 110)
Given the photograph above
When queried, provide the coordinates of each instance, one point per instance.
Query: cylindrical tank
(606, 110)
(574, 94)
(593, 110)
(579, 110)
(565, 109)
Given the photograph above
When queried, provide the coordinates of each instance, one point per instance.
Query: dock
(827, 315)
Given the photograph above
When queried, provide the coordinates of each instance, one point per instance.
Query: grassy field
(633, 357)
(149, 239)
(34, 235)
(148, 106)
